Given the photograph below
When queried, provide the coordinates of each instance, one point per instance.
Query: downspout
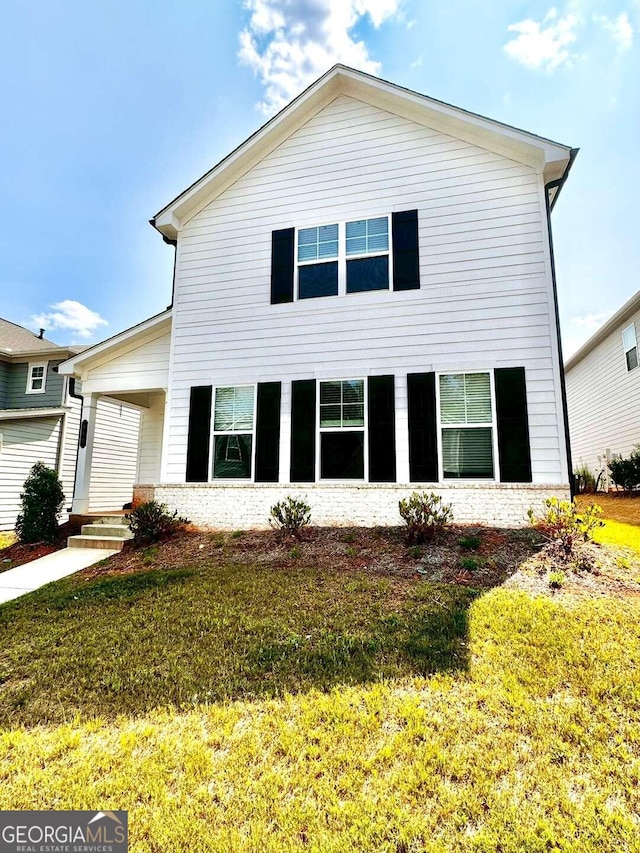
(72, 393)
(170, 242)
(558, 184)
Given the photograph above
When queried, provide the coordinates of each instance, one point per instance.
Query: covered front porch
(131, 369)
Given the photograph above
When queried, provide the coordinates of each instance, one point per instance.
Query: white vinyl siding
(485, 299)
(24, 442)
(136, 366)
(604, 402)
(115, 455)
(150, 448)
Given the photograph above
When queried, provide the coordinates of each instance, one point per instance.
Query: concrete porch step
(117, 530)
(113, 543)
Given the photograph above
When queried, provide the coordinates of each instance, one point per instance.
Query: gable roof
(553, 158)
(16, 340)
(620, 318)
(111, 345)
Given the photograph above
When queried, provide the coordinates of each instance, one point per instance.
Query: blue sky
(110, 109)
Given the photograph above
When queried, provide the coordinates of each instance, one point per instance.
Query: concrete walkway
(37, 573)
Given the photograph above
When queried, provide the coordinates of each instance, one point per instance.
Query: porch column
(80, 504)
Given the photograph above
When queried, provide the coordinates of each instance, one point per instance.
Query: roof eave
(70, 366)
(629, 308)
(538, 151)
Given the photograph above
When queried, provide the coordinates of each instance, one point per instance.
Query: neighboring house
(364, 304)
(603, 391)
(40, 419)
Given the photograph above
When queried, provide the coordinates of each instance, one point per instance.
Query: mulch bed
(18, 554)
(373, 551)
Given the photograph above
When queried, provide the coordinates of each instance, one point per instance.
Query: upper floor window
(233, 432)
(630, 345)
(466, 423)
(317, 261)
(36, 377)
(367, 242)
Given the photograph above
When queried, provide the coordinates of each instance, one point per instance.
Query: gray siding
(18, 399)
(4, 384)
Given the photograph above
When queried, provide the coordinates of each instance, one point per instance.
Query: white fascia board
(613, 323)
(511, 142)
(107, 349)
(24, 414)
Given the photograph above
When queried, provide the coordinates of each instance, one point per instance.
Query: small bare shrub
(290, 515)
(566, 525)
(425, 516)
(152, 522)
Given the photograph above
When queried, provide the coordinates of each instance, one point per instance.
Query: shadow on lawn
(213, 632)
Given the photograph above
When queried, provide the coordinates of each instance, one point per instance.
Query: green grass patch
(129, 643)
(619, 534)
(530, 743)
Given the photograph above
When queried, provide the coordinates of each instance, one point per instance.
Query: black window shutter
(268, 432)
(406, 261)
(199, 432)
(282, 253)
(303, 431)
(514, 449)
(423, 428)
(382, 429)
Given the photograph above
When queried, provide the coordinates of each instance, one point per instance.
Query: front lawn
(266, 703)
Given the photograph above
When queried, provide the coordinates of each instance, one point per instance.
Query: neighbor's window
(367, 254)
(342, 408)
(36, 378)
(630, 346)
(466, 423)
(318, 261)
(233, 430)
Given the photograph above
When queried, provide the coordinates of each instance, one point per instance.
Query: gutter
(558, 184)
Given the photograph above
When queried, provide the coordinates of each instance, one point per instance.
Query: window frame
(364, 429)
(33, 365)
(493, 425)
(632, 326)
(341, 258)
(214, 432)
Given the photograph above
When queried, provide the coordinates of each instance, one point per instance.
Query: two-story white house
(603, 392)
(364, 304)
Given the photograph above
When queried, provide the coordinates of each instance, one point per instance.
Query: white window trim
(342, 257)
(215, 432)
(32, 365)
(493, 425)
(364, 428)
(628, 349)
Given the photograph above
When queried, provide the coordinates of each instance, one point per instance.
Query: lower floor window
(342, 430)
(233, 428)
(466, 424)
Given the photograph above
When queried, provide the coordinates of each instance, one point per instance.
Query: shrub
(41, 504)
(626, 472)
(584, 480)
(152, 522)
(290, 515)
(564, 523)
(425, 516)
(469, 564)
(469, 543)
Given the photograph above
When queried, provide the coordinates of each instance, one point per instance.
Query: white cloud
(71, 316)
(619, 29)
(543, 45)
(289, 43)
(579, 329)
